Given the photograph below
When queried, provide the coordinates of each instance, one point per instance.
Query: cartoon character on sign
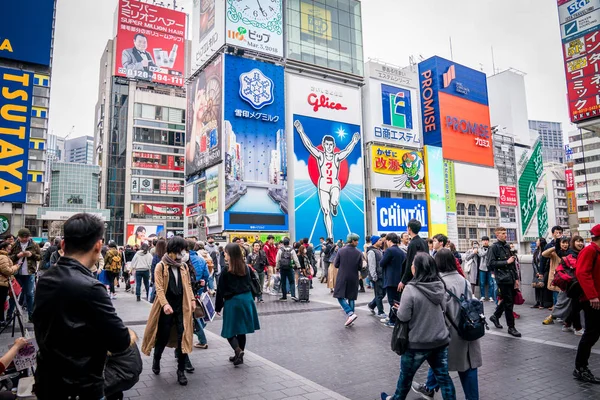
(329, 162)
(412, 164)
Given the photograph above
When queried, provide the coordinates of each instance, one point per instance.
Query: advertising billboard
(15, 108)
(255, 26)
(435, 191)
(571, 203)
(157, 161)
(397, 169)
(571, 10)
(150, 43)
(530, 167)
(208, 34)
(156, 186)
(137, 234)
(508, 196)
(570, 180)
(393, 214)
(450, 200)
(204, 135)
(26, 31)
(212, 196)
(455, 111)
(325, 119)
(256, 196)
(391, 110)
(542, 217)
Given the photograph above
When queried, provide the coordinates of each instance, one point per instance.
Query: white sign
(135, 185)
(576, 8)
(577, 27)
(255, 25)
(146, 185)
(209, 31)
(391, 107)
(26, 356)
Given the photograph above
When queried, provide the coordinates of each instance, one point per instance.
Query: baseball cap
(595, 231)
(24, 232)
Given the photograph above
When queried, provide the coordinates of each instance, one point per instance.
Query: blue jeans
(485, 277)
(27, 283)
(379, 296)
(412, 360)
(139, 276)
(347, 306)
(200, 334)
(468, 380)
(554, 297)
(211, 282)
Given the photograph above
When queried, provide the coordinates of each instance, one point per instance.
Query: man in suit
(137, 58)
(391, 265)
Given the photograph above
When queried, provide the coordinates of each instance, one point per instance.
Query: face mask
(185, 256)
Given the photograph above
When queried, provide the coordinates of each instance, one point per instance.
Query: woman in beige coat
(7, 269)
(171, 316)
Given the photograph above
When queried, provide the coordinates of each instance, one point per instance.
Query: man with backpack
(374, 256)
(285, 263)
(588, 277)
(113, 262)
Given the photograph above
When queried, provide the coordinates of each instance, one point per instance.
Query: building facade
(504, 158)
(79, 150)
(551, 135)
(556, 192)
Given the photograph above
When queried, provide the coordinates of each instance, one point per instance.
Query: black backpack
(285, 261)
(471, 319)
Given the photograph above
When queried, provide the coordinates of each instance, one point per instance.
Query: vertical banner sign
(570, 180)
(256, 25)
(203, 138)
(15, 110)
(450, 194)
(328, 164)
(435, 193)
(572, 202)
(528, 179)
(212, 196)
(542, 217)
(256, 197)
(208, 31)
(397, 169)
(150, 43)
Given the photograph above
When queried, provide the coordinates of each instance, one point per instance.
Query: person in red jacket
(271, 251)
(588, 276)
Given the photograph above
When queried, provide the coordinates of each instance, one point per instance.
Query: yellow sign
(405, 166)
(252, 237)
(571, 203)
(315, 21)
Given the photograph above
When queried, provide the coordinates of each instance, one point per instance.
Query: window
(385, 195)
(473, 233)
(482, 211)
(462, 233)
(148, 111)
(507, 215)
(493, 212)
(460, 209)
(492, 233)
(472, 210)
(482, 232)
(37, 133)
(511, 235)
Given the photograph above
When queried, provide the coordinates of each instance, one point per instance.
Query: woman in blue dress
(234, 297)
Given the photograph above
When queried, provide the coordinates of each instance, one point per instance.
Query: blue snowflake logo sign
(256, 89)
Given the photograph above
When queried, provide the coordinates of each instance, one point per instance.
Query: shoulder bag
(254, 283)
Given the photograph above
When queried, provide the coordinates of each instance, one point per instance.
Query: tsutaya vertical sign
(15, 110)
(530, 166)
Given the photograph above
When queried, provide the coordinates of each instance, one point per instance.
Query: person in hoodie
(422, 305)
(140, 267)
(463, 356)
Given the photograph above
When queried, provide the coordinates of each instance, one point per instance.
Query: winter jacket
(200, 267)
(295, 261)
(374, 257)
(122, 370)
(327, 253)
(588, 271)
(310, 253)
(349, 263)
(417, 244)
(391, 264)
(258, 261)
(462, 355)
(422, 305)
(98, 266)
(32, 261)
(555, 261)
(55, 256)
(45, 263)
(213, 253)
(110, 254)
(7, 269)
(497, 263)
(155, 260)
(484, 253)
(142, 261)
(472, 261)
(129, 254)
(271, 252)
(75, 326)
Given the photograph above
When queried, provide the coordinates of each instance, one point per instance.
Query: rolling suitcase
(303, 289)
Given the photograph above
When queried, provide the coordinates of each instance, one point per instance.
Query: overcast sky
(524, 34)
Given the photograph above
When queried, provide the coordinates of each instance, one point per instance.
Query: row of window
(587, 171)
(158, 136)
(475, 234)
(587, 147)
(473, 211)
(158, 113)
(583, 136)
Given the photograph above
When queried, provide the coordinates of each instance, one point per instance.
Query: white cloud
(356, 172)
(300, 171)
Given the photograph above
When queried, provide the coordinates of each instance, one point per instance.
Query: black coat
(417, 244)
(349, 263)
(392, 263)
(75, 326)
(122, 371)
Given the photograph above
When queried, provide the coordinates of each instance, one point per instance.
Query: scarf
(170, 262)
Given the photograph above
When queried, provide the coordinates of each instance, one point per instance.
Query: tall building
(140, 128)
(25, 66)
(79, 150)
(551, 134)
(504, 158)
(556, 193)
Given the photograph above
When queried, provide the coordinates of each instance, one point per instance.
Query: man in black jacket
(391, 264)
(501, 264)
(74, 320)
(416, 245)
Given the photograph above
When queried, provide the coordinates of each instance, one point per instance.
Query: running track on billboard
(351, 207)
(256, 200)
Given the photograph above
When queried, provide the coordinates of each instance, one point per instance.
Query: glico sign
(455, 111)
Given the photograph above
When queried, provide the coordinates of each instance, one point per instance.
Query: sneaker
(283, 299)
(491, 300)
(585, 375)
(113, 296)
(494, 320)
(381, 316)
(548, 321)
(579, 332)
(482, 299)
(351, 320)
(384, 396)
(421, 389)
(389, 324)
(295, 298)
(372, 310)
(261, 301)
(201, 346)
(384, 320)
(567, 329)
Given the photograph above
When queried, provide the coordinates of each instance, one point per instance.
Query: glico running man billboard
(150, 43)
(455, 112)
(328, 164)
(16, 89)
(256, 196)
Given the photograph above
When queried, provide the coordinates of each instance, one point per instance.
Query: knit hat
(375, 239)
(352, 237)
(24, 232)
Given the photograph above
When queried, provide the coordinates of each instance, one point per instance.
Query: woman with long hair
(562, 308)
(573, 321)
(422, 305)
(463, 356)
(234, 297)
(160, 249)
(538, 276)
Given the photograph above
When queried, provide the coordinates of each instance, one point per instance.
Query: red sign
(157, 161)
(508, 196)
(570, 179)
(581, 57)
(163, 209)
(150, 43)
(323, 101)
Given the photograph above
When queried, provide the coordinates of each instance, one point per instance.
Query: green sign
(4, 224)
(528, 181)
(542, 217)
(450, 186)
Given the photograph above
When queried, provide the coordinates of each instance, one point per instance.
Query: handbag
(199, 312)
(518, 300)
(254, 283)
(400, 338)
